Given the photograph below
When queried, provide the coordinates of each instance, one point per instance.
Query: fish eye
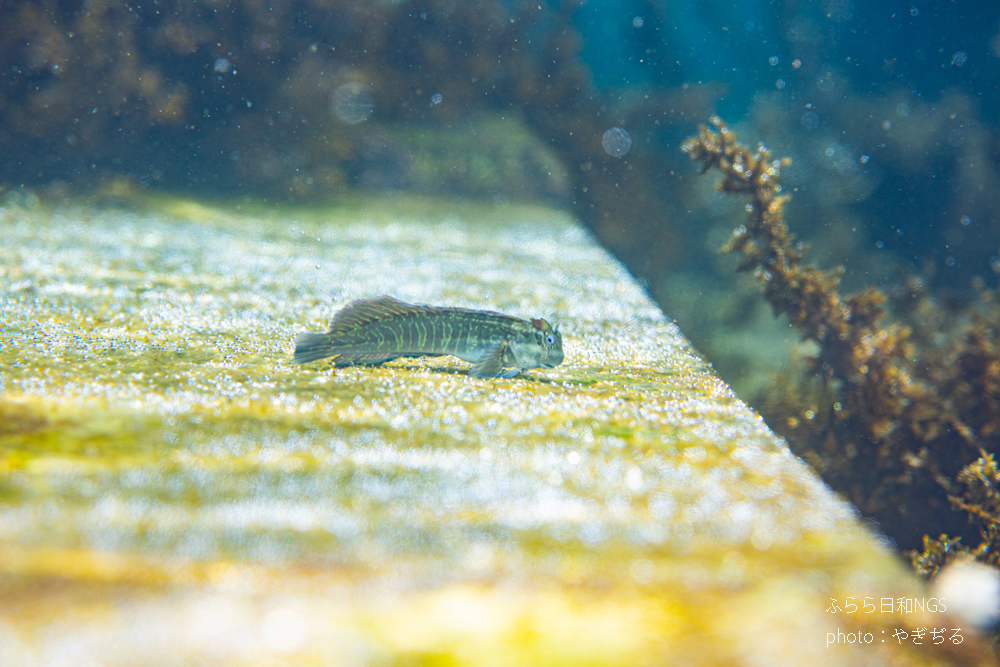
(550, 339)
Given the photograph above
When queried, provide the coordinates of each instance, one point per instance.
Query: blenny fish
(374, 331)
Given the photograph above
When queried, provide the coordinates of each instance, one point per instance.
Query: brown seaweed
(904, 425)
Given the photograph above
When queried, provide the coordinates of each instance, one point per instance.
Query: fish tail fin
(312, 347)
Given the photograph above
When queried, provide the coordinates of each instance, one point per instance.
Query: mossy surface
(164, 466)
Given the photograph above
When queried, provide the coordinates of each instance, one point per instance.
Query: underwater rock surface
(175, 492)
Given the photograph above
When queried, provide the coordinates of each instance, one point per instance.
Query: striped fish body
(373, 331)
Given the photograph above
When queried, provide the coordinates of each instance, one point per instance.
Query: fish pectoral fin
(492, 362)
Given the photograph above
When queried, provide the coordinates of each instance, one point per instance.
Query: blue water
(876, 45)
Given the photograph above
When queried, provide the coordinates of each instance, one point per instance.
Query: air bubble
(839, 11)
(637, 22)
(436, 99)
(352, 103)
(779, 84)
(810, 120)
(616, 142)
(965, 220)
(772, 61)
(958, 58)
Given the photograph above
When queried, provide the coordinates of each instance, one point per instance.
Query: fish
(370, 332)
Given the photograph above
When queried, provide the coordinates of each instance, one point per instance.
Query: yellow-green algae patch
(174, 491)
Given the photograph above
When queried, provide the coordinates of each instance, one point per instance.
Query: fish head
(538, 346)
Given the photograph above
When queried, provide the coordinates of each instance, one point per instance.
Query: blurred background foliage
(888, 112)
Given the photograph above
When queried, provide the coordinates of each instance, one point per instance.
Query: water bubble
(864, 159)
(616, 142)
(826, 82)
(796, 63)
(810, 120)
(352, 103)
(886, 125)
(958, 58)
(772, 61)
(839, 11)
(779, 84)
(830, 151)
(436, 99)
(956, 138)
(949, 261)
(222, 65)
(637, 22)
(965, 220)
(903, 109)
(914, 11)
(879, 245)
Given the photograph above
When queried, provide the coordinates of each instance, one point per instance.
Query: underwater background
(888, 112)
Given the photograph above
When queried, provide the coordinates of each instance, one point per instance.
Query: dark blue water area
(668, 44)
(928, 47)
(902, 99)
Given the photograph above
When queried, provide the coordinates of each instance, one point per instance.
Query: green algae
(608, 511)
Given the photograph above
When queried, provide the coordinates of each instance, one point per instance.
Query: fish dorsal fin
(365, 311)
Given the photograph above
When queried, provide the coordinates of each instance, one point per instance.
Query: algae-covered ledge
(157, 438)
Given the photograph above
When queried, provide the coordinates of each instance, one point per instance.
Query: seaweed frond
(871, 362)
(903, 426)
(936, 554)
